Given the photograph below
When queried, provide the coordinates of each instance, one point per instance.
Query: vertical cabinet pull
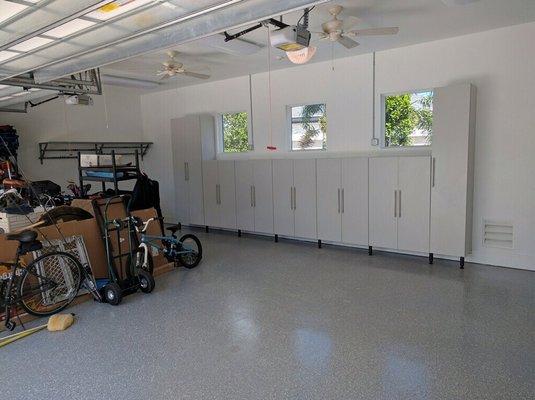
(399, 204)
(338, 201)
(343, 201)
(395, 203)
(433, 166)
(295, 199)
(291, 198)
(186, 175)
(254, 196)
(218, 193)
(251, 194)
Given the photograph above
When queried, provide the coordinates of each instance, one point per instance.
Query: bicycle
(186, 251)
(45, 286)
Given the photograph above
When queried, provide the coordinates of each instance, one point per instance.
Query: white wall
(500, 63)
(55, 121)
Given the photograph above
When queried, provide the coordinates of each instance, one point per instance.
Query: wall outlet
(375, 141)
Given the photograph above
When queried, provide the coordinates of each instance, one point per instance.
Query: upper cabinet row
(407, 203)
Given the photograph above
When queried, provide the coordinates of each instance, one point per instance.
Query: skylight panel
(31, 44)
(6, 55)
(116, 8)
(68, 28)
(9, 9)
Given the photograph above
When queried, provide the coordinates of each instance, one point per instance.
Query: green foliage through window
(235, 132)
(409, 119)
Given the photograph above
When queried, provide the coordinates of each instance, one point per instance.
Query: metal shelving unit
(68, 150)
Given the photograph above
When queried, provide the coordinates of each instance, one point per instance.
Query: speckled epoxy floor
(259, 320)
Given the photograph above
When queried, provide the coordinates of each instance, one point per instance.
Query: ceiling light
(6, 55)
(301, 56)
(5, 98)
(9, 9)
(69, 28)
(34, 89)
(31, 44)
(117, 7)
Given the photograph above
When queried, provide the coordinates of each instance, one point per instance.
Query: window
(235, 132)
(408, 119)
(308, 127)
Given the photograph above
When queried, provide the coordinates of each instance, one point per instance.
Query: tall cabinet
(400, 203)
(454, 110)
(342, 200)
(294, 198)
(192, 141)
(254, 196)
(219, 186)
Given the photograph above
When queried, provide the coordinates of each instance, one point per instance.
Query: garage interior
(250, 199)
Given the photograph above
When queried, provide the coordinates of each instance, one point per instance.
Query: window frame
(221, 132)
(382, 121)
(289, 125)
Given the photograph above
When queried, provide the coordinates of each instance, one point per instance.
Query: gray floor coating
(259, 320)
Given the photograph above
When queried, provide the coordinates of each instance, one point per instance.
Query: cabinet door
(195, 192)
(383, 213)
(227, 194)
(414, 201)
(211, 193)
(282, 197)
(355, 201)
(244, 195)
(178, 138)
(452, 152)
(263, 196)
(305, 198)
(329, 198)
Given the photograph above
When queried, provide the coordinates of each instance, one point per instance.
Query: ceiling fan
(341, 30)
(171, 68)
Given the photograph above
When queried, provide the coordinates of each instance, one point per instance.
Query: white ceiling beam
(172, 34)
(41, 18)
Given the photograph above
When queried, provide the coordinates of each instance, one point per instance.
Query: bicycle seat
(26, 236)
(173, 229)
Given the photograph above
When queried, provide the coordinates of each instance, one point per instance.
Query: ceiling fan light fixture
(301, 56)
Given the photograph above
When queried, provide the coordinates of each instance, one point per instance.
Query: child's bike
(186, 251)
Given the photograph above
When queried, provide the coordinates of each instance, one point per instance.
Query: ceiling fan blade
(195, 75)
(375, 31)
(350, 22)
(347, 42)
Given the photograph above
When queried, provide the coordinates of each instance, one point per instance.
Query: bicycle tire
(190, 261)
(60, 265)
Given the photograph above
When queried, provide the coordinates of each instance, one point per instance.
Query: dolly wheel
(146, 281)
(113, 293)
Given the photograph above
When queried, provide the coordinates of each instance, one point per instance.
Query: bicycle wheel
(192, 248)
(50, 283)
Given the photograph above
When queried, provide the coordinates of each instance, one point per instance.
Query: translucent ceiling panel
(31, 44)
(69, 28)
(116, 8)
(103, 34)
(9, 9)
(41, 16)
(6, 55)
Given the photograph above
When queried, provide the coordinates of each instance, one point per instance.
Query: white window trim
(382, 131)
(219, 132)
(289, 127)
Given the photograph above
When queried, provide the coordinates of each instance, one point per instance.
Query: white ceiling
(419, 21)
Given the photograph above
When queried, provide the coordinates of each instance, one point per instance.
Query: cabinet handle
(343, 201)
(395, 203)
(399, 204)
(291, 198)
(217, 194)
(338, 201)
(185, 171)
(295, 199)
(254, 196)
(251, 194)
(433, 166)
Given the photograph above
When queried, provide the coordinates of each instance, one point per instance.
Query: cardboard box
(16, 222)
(98, 160)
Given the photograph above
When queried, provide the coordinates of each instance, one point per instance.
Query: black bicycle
(45, 286)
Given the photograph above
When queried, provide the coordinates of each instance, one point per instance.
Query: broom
(58, 322)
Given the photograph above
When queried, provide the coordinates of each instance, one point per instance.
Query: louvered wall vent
(498, 234)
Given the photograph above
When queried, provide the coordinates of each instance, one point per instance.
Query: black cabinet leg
(431, 258)
(276, 238)
(207, 229)
(319, 244)
(461, 262)
(370, 250)
(239, 232)
(179, 226)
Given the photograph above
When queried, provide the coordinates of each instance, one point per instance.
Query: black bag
(146, 194)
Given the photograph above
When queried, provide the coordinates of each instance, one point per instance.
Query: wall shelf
(69, 150)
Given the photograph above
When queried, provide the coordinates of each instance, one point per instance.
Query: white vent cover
(498, 234)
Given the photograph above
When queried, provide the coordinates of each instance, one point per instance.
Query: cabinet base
(370, 250)
(461, 263)
(276, 238)
(207, 229)
(319, 244)
(239, 232)
(431, 258)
